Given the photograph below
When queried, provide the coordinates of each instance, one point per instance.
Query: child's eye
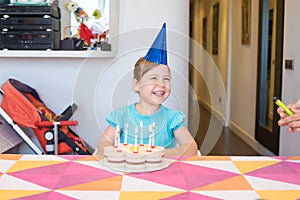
(153, 78)
(167, 79)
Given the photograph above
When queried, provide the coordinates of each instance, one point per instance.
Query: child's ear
(135, 85)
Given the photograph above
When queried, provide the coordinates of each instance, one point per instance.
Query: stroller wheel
(49, 136)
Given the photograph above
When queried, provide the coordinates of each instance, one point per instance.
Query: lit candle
(116, 135)
(126, 134)
(149, 142)
(135, 140)
(141, 134)
(152, 131)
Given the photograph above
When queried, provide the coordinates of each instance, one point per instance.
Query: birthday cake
(134, 159)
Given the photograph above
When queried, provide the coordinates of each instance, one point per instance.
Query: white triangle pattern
(232, 195)
(6, 164)
(8, 182)
(221, 165)
(90, 194)
(31, 157)
(266, 184)
(293, 161)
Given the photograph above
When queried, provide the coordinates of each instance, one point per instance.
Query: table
(207, 177)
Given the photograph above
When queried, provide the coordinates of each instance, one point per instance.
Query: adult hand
(293, 121)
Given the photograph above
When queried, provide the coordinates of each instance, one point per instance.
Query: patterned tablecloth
(82, 177)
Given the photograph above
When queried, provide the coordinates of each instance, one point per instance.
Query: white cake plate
(165, 163)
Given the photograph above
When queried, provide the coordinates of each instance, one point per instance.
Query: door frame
(269, 139)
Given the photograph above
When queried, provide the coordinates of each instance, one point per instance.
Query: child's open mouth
(159, 93)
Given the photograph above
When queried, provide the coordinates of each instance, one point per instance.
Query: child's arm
(107, 139)
(187, 144)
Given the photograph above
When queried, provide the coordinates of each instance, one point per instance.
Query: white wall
(244, 73)
(203, 59)
(99, 85)
(289, 142)
(209, 76)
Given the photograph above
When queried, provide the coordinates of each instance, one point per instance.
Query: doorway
(269, 72)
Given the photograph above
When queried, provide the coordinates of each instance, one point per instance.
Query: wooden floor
(228, 143)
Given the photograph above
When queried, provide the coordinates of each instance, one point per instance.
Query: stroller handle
(61, 123)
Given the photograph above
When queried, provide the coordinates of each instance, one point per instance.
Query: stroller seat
(23, 107)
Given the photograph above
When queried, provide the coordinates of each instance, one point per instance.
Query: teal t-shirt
(166, 121)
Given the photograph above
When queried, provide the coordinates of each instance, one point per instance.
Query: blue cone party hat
(158, 51)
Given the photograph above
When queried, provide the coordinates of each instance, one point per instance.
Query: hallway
(229, 144)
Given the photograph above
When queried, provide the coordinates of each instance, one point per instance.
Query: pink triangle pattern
(295, 166)
(73, 157)
(63, 175)
(188, 177)
(289, 172)
(281, 157)
(190, 196)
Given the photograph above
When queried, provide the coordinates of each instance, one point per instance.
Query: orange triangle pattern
(88, 158)
(109, 184)
(27, 164)
(147, 195)
(248, 166)
(279, 194)
(294, 158)
(10, 156)
(234, 183)
(193, 158)
(11, 194)
(207, 158)
(215, 158)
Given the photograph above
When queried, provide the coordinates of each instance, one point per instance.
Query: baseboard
(250, 140)
(215, 113)
(238, 131)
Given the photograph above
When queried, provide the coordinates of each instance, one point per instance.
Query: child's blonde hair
(142, 66)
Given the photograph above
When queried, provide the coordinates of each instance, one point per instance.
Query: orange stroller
(22, 107)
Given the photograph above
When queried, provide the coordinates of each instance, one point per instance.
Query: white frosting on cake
(124, 157)
(135, 161)
(154, 160)
(114, 158)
